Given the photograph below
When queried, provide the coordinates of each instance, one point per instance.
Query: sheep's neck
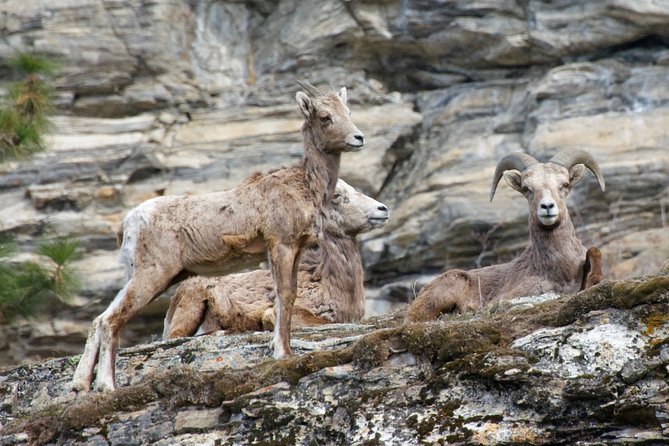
(342, 275)
(321, 169)
(553, 253)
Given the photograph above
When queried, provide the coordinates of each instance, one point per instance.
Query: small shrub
(23, 118)
(26, 287)
(61, 251)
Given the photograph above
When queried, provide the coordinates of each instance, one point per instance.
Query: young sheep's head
(353, 213)
(546, 185)
(329, 119)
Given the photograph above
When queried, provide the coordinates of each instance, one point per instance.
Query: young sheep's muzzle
(379, 216)
(355, 141)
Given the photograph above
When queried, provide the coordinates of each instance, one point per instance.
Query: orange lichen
(655, 321)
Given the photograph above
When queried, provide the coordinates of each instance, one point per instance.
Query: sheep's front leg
(302, 317)
(454, 289)
(284, 261)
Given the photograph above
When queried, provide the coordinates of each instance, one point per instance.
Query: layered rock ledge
(176, 97)
(588, 369)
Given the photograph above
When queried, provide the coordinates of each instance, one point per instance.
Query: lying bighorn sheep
(330, 280)
(166, 238)
(554, 259)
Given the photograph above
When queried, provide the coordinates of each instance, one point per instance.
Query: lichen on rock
(522, 376)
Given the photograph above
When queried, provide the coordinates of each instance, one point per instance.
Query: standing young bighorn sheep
(330, 283)
(554, 258)
(166, 238)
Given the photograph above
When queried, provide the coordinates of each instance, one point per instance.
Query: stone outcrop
(588, 369)
(186, 97)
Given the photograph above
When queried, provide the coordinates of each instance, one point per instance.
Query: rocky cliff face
(187, 97)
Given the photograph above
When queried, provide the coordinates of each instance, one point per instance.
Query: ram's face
(546, 186)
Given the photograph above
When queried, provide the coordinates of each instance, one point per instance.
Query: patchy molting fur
(330, 280)
(167, 238)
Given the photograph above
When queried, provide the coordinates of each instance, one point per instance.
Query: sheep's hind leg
(454, 289)
(139, 292)
(186, 312)
(83, 375)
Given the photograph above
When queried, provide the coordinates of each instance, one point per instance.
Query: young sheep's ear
(575, 174)
(305, 104)
(343, 95)
(513, 179)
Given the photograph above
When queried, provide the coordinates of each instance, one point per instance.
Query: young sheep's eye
(325, 119)
(336, 197)
(525, 190)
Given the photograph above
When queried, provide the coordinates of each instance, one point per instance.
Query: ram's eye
(525, 189)
(325, 119)
(336, 197)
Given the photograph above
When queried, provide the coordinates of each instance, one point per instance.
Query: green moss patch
(372, 350)
(440, 343)
(621, 294)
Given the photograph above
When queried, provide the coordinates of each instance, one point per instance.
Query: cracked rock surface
(517, 375)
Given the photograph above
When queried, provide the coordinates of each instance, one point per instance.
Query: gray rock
(498, 378)
(172, 97)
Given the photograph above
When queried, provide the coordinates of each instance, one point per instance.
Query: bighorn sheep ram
(553, 261)
(330, 283)
(167, 238)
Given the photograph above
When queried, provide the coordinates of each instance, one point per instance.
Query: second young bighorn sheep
(167, 238)
(330, 281)
(554, 259)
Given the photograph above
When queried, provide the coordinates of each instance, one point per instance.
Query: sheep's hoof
(80, 386)
(104, 387)
(282, 355)
(280, 352)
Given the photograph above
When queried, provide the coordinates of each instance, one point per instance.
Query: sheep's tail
(119, 236)
(126, 239)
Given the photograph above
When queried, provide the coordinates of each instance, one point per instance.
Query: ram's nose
(548, 207)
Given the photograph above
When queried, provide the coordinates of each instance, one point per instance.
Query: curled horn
(570, 158)
(516, 161)
(313, 91)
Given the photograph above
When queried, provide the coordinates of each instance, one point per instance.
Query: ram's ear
(305, 104)
(343, 95)
(513, 179)
(575, 174)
